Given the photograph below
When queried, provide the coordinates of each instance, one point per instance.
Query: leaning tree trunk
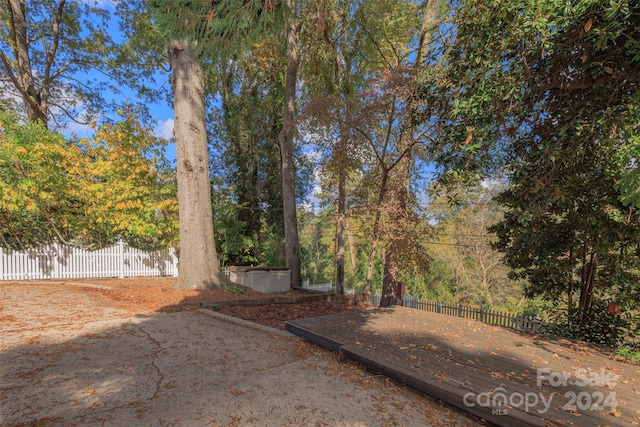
(35, 101)
(292, 243)
(199, 267)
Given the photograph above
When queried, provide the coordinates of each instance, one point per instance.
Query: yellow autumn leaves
(89, 191)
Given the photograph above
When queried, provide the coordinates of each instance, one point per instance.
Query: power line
(457, 244)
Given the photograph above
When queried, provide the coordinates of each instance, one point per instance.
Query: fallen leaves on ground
(148, 294)
(275, 315)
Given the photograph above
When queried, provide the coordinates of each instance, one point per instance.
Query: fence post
(121, 258)
(54, 262)
(521, 322)
(460, 310)
(174, 262)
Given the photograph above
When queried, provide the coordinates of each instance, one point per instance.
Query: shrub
(594, 324)
(630, 352)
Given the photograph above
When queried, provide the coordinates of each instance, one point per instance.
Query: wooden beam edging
(451, 395)
(311, 291)
(323, 342)
(281, 299)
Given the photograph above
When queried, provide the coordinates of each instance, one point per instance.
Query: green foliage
(140, 59)
(629, 353)
(316, 246)
(582, 240)
(551, 89)
(594, 324)
(437, 285)
(272, 246)
(475, 271)
(264, 246)
(235, 290)
(627, 157)
(245, 129)
(39, 198)
(534, 307)
(510, 60)
(227, 25)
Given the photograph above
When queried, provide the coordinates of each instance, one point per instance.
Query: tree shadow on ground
(111, 367)
(451, 357)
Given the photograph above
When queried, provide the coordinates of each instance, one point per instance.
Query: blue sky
(160, 111)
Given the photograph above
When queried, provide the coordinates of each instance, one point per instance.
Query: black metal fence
(522, 322)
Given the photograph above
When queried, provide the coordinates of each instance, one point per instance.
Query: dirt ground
(137, 352)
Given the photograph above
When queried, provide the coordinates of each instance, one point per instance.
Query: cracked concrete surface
(67, 358)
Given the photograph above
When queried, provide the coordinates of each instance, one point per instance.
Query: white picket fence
(321, 287)
(57, 261)
(324, 287)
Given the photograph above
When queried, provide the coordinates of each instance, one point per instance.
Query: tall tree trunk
(390, 295)
(199, 266)
(340, 230)
(402, 173)
(382, 192)
(352, 252)
(571, 278)
(400, 183)
(340, 158)
(292, 243)
(588, 277)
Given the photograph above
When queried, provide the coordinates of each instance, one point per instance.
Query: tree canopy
(552, 87)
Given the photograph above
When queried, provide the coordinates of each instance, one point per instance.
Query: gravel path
(70, 357)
